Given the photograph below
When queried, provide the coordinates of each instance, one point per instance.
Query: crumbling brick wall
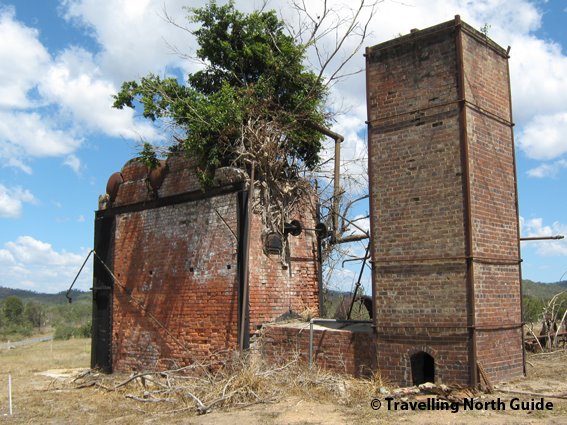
(176, 253)
(443, 200)
(337, 350)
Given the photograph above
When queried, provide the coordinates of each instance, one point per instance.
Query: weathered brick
(176, 298)
(419, 205)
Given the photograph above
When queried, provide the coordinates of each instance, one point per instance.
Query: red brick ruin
(444, 246)
(177, 255)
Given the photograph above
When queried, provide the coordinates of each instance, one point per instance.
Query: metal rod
(469, 104)
(542, 238)
(476, 259)
(354, 259)
(358, 282)
(76, 277)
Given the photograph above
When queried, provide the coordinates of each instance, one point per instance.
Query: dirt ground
(43, 392)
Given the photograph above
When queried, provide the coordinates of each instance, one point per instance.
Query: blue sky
(61, 60)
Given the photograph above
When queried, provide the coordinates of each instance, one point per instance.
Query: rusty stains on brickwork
(176, 250)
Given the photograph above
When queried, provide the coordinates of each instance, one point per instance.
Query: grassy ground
(43, 393)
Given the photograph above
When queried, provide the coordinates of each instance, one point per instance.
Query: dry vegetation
(51, 384)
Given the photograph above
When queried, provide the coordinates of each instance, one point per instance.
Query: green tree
(35, 314)
(14, 309)
(255, 102)
(254, 98)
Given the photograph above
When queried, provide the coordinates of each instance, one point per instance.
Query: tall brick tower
(446, 260)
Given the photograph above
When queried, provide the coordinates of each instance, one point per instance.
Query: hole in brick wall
(415, 199)
(419, 123)
(273, 244)
(228, 266)
(437, 124)
(422, 368)
(151, 272)
(191, 269)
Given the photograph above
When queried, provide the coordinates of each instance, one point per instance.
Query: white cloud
(30, 263)
(75, 83)
(545, 136)
(548, 169)
(11, 200)
(133, 34)
(536, 227)
(74, 163)
(23, 59)
(73, 98)
(31, 134)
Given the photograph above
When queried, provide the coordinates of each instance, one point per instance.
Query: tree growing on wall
(254, 100)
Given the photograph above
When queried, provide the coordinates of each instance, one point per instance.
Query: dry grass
(245, 388)
(242, 381)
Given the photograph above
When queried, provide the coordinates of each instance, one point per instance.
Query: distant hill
(542, 290)
(529, 287)
(58, 298)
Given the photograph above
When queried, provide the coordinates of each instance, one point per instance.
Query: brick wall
(176, 254)
(341, 351)
(429, 297)
(493, 208)
(277, 288)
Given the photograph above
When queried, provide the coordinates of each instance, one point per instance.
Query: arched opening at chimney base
(422, 368)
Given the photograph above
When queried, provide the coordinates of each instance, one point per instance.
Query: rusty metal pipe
(336, 175)
(542, 238)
